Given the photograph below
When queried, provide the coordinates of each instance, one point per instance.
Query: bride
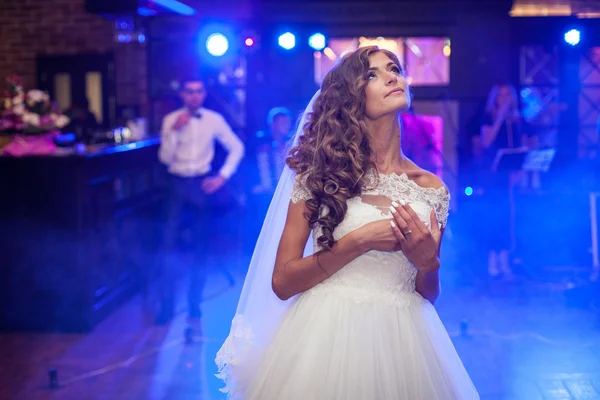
(337, 303)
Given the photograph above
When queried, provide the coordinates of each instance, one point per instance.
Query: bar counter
(77, 233)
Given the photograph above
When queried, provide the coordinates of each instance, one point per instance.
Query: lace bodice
(393, 187)
(387, 276)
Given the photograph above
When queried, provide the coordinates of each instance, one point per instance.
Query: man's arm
(168, 142)
(234, 147)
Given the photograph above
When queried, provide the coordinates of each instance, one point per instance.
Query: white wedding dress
(364, 333)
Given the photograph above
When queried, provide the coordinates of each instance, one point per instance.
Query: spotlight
(317, 41)
(217, 44)
(287, 41)
(468, 190)
(249, 42)
(573, 37)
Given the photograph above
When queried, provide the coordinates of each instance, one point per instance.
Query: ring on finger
(407, 233)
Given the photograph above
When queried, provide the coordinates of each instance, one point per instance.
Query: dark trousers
(187, 205)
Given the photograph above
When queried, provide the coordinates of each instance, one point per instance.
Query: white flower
(31, 119)
(35, 95)
(61, 121)
(19, 109)
(18, 99)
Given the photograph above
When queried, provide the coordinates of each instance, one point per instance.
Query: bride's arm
(424, 251)
(427, 282)
(294, 274)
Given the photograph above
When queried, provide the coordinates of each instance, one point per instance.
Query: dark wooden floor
(519, 341)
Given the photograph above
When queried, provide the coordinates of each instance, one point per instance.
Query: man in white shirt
(187, 149)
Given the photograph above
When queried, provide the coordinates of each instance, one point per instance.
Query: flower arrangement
(29, 112)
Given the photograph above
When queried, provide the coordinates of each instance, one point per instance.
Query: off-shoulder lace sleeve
(441, 205)
(300, 191)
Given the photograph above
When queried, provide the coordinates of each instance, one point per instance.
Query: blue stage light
(287, 41)
(573, 37)
(217, 44)
(317, 41)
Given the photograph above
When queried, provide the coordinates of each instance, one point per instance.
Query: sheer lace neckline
(403, 176)
(393, 187)
(397, 186)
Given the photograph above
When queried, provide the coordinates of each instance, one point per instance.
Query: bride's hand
(378, 235)
(419, 244)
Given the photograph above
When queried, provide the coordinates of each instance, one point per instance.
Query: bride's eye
(395, 69)
(371, 75)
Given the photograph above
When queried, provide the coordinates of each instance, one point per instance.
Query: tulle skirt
(333, 347)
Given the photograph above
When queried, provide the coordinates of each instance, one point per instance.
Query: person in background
(271, 148)
(187, 148)
(502, 127)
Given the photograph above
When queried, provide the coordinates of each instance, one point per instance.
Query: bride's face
(387, 91)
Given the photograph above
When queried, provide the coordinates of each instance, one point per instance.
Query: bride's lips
(393, 91)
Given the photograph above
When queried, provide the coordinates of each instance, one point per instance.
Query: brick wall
(29, 28)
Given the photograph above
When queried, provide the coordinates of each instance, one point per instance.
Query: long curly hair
(333, 154)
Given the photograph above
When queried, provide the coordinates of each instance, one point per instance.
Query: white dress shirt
(190, 151)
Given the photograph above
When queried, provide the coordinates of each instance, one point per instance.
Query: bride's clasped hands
(404, 231)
